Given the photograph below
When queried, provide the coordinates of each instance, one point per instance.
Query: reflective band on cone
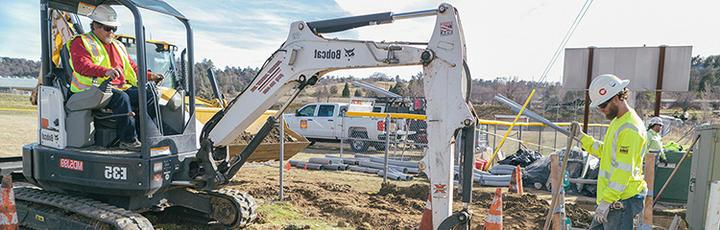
(516, 181)
(493, 221)
(8, 217)
(426, 220)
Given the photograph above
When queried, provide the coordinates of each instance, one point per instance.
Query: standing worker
(621, 187)
(654, 138)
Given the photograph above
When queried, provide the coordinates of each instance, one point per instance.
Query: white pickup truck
(326, 122)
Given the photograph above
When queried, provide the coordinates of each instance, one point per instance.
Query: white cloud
(517, 38)
(504, 38)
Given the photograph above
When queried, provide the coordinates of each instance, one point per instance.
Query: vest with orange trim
(99, 56)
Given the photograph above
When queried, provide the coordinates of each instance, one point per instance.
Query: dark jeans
(622, 218)
(122, 102)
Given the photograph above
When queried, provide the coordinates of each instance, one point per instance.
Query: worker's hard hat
(104, 14)
(604, 88)
(654, 121)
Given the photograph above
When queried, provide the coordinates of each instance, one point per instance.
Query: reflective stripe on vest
(100, 57)
(619, 165)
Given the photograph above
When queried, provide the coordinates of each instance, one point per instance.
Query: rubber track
(119, 218)
(244, 203)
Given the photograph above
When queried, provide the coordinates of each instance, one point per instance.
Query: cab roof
(153, 5)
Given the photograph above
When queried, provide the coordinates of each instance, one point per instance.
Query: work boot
(131, 146)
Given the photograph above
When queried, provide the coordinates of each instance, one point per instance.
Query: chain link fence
(408, 137)
(400, 138)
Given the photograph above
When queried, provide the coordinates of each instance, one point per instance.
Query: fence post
(282, 156)
(487, 135)
(520, 137)
(387, 146)
(555, 141)
(342, 134)
(494, 136)
(540, 133)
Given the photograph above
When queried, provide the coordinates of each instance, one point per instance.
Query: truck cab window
(326, 111)
(308, 111)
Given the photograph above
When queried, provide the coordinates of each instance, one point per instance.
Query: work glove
(579, 134)
(601, 212)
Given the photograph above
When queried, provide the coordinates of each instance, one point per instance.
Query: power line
(566, 38)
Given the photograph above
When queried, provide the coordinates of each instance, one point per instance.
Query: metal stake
(282, 155)
(342, 134)
(387, 146)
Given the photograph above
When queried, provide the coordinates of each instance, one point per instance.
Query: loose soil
(338, 201)
(272, 138)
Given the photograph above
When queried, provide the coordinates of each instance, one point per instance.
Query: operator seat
(79, 107)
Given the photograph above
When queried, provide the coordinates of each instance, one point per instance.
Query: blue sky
(504, 38)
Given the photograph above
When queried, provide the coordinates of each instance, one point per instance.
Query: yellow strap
(507, 133)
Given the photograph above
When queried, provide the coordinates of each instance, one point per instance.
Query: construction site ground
(351, 200)
(334, 200)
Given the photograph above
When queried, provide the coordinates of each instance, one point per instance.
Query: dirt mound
(400, 207)
(526, 211)
(272, 138)
(343, 204)
(415, 191)
(390, 206)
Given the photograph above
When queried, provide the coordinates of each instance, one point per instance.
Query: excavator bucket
(269, 149)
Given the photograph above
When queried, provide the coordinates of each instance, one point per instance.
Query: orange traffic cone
(8, 213)
(493, 220)
(426, 220)
(287, 166)
(516, 181)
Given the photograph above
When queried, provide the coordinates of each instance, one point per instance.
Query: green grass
(16, 101)
(280, 214)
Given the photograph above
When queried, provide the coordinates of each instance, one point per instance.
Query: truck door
(305, 117)
(325, 124)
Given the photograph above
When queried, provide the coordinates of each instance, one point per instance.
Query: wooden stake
(650, 180)
(555, 177)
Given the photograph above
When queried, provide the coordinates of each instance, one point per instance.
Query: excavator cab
(87, 125)
(73, 170)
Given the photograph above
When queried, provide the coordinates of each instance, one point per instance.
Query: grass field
(19, 126)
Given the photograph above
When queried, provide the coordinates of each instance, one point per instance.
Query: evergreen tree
(346, 90)
(358, 93)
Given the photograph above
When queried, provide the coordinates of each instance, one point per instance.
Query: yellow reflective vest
(655, 144)
(621, 158)
(99, 56)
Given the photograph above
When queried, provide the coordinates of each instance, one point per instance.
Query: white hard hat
(104, 14)
(604, 88)
(654, 121)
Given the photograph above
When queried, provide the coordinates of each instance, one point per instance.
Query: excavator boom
(306, 56)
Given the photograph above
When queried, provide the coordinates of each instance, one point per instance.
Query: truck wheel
(358, 146)
(379, 146)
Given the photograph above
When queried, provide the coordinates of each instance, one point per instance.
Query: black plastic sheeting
(539, 172)
(522, 157)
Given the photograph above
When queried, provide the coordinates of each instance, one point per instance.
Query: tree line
(550, 96)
